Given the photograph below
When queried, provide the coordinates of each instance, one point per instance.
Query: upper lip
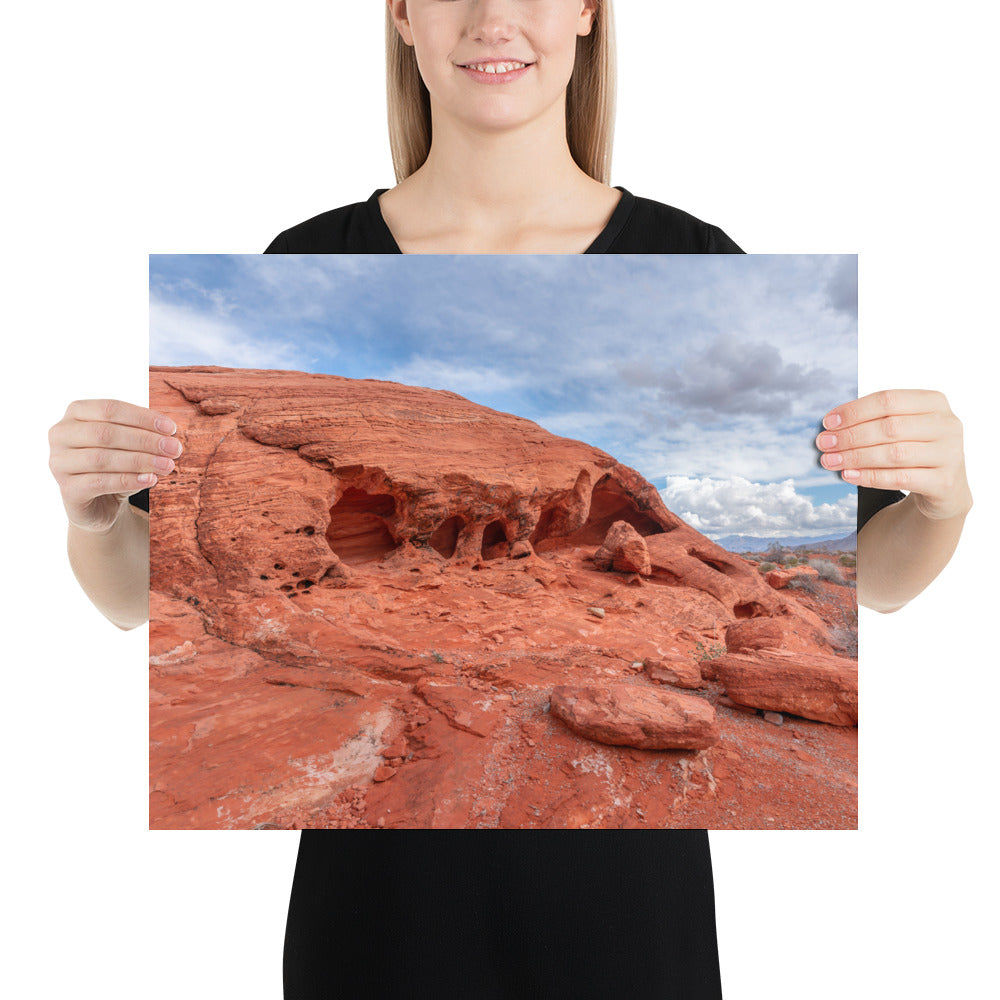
(487, 62)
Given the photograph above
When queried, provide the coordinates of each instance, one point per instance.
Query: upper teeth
(504, 67)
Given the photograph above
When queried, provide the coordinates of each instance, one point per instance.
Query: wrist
(96, 528)
(954, 508)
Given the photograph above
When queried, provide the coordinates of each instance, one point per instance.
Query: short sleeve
(870, 502)
(140, 500)
(718, 242)
(278, 245)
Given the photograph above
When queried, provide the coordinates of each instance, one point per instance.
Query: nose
(492, 21)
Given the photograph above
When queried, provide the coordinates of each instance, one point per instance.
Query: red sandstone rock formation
(780, 578)
(364, 595)
(824, 688)
(755, 633)
(682, 672)
(634, 716)
(623, 550)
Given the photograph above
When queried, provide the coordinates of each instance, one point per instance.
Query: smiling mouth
(495, 68)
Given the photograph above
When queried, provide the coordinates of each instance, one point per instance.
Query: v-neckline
(601, 243)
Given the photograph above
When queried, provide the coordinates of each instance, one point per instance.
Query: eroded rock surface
(678, 671)
(624, 550)
(364, 594)
(824, 688)
(755, 633)
(636, 716)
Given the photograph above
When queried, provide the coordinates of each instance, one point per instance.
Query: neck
(515, 190)
(502, 175)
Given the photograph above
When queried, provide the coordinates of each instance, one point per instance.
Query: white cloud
(181, 335)
(739, 506)
(466, 380)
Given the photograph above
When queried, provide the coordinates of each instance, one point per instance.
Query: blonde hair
(590, 100)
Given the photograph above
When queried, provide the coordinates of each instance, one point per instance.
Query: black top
(637, 225)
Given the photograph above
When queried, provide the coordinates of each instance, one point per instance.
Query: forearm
(113, 567)
(901, 550)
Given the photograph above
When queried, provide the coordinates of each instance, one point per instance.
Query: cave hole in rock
(665, 578)
(609, 503)
(546, 523)
(720, 567)
(359, 531)
(749, 610)
(566, 508)
(445, 537)
(494, 540)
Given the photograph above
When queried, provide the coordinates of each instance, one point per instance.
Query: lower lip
(493, 78)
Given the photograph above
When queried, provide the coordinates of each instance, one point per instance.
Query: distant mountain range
(822, 543)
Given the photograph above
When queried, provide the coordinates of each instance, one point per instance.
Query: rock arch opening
(359, 526)
(609, 503)
(565, 513)
(563, 522)
(494, 540)
(445, 538)
(750, 610)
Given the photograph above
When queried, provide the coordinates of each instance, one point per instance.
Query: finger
(78, 461)
(888, 402)
(81, 490)
(117, 437)
(898, 455)
(919, 427)
(115, 411)
(923, 481)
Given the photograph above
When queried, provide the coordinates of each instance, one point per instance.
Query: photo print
(502, 542)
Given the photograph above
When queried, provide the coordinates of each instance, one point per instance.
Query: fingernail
(147, 478)
(827, 441)
(832, 461)
(852, 475)
(833, 421)
(170, 446)
(165, 426)
(162, 464)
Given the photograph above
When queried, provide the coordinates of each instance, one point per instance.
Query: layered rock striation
(366, 596)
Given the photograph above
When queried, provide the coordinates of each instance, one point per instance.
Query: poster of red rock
(519, 542)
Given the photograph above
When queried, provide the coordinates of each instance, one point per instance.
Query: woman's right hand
(103, 451)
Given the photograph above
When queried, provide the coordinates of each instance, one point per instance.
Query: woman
(501, 133)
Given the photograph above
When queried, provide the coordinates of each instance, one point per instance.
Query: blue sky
(709, 374)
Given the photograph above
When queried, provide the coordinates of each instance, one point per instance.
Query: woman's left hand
(901, 439)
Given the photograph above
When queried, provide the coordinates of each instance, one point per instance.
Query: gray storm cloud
(729, 377)
(842, 287)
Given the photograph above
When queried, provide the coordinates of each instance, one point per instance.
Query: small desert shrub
(700, 652)
(806, 583)
(766, 567)
(849, 561)
(827, 570)
(791, 560)
(845, 639)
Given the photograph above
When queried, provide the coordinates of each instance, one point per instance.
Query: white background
(208, 127)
